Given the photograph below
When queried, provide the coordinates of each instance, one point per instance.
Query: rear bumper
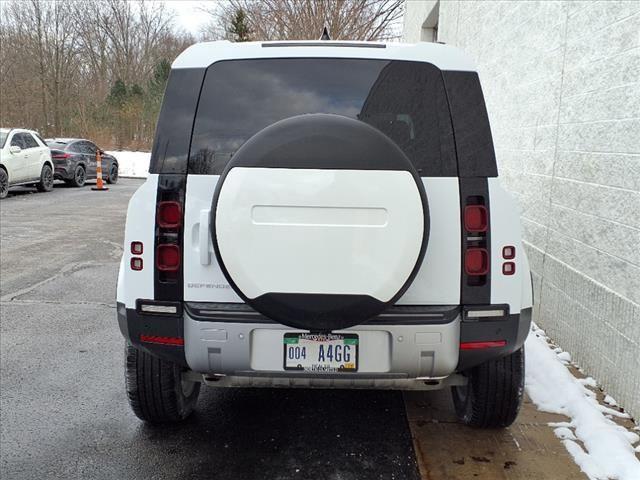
(403, 345)
(61, 173)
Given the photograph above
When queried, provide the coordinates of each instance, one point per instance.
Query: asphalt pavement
(63, 407)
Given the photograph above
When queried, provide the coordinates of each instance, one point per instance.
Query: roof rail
(322, 44)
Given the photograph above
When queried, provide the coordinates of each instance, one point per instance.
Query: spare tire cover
(319, 222)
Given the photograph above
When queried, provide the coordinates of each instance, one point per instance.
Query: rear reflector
(481, 345)
(145, 308)
(137, 248)
(169, 214)
(508, 252)
(136, 264)
(508, 268)
(168, 257)
(485, 313)
(175, 341)
(475, 218)
(476, 261)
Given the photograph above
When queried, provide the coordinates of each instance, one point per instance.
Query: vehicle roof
(445, 57)
(64, 140)
(6, 130)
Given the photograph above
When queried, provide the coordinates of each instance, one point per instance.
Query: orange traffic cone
(99, 183)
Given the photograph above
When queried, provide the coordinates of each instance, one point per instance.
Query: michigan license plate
(320, 352)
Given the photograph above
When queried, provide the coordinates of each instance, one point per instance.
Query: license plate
(320, 352)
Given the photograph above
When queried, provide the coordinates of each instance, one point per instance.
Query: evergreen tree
(239, 30)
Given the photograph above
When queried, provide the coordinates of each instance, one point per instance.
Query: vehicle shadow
(277, 433)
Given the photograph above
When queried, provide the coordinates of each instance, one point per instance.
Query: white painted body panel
(506, 231)
(445, 57)
(140, 227)
(202, 282)
(438, 280)
(356, 232)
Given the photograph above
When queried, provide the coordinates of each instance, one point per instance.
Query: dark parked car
(74, 160)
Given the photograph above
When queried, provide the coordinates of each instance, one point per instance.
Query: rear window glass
(405, 100)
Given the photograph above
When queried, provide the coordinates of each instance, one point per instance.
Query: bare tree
(304, 19)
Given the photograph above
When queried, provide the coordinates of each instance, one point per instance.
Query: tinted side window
(474, 144)
(173, 131)
(29, 141)
(76, 147)
(16, 140)
(90, 148)
(405, 100)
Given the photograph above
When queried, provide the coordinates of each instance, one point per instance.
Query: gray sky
(188, 17)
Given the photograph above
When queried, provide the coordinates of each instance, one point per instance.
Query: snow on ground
(132, 164)
(602, 449)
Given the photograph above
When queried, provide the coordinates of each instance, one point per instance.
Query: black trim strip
(328, 44)
(394, 315)
(505, 328)
(132, 325)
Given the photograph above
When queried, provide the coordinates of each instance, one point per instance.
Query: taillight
(482, 345)
(60, 155)
(475, 218)
(168, 257)
(508, 268)
(137, 248)
(168, 242)
(476, 261)
(136, 264)
(173, 341)
(169, 215)
(509, 252)
(475, 241)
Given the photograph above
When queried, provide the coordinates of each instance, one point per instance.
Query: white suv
(24, 159)
(324, 214)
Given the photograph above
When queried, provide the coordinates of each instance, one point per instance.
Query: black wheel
(46, 179)
(493, 396)
(4, 183)
(156, 390)
(79, 177)
(113, 174)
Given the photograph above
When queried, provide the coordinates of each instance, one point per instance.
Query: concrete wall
(562, 86)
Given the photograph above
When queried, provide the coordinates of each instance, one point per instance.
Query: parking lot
(64, 413)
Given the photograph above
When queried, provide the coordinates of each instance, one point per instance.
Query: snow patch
(564, 433)
(602, 449)
(132, 164)
(564, 357)
(589, 382)
(609, 400)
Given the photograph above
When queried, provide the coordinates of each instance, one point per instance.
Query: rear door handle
(203, 238)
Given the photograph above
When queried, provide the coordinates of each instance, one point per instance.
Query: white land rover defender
(324, 214)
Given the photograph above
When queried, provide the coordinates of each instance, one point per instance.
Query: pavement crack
(67, 269)
(56, 302)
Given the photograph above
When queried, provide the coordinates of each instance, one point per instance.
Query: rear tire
(46, 179)
(113, 174)
(155, 389)
(493, 396)
(4, 183)
(79, 177)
